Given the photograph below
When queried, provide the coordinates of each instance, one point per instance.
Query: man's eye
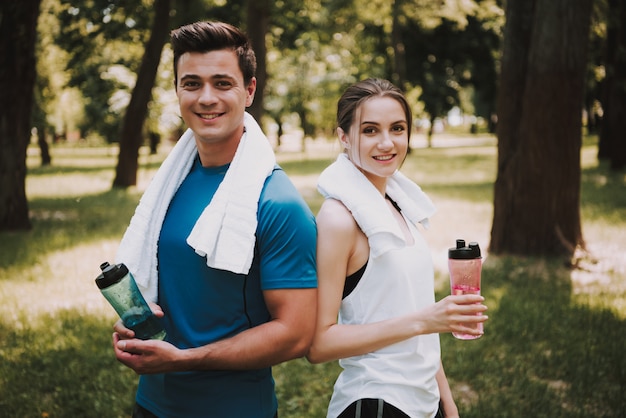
(190, 84)
(223, 84)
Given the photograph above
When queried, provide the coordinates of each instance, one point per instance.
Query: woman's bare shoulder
(334, 215)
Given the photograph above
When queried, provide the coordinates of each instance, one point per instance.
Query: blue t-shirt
(203, 305)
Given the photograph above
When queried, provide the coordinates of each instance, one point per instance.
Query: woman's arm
(449, 407)
(339, 243)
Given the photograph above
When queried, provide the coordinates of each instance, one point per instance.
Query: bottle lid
(111, 274)
(463, 252)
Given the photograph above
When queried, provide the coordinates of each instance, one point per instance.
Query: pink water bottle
(465, 265)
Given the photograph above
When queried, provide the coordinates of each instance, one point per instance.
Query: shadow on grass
(89, 160)
(543, 354)
(603, 192)
(63, 367)
(61, 223)
(53, 170)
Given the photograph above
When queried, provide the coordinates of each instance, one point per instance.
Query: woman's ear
(343, 138)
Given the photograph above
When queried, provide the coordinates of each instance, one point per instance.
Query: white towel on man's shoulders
(343, 181)
(224, 232)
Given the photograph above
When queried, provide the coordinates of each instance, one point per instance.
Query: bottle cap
(463, 252)
(111, 274)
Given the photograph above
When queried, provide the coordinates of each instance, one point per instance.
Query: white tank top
(402, 374)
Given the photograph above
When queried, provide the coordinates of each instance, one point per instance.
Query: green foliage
(311, 58)
(63, 366)
(100, 44)
(303, 389)
(318, 48)
(603, 194)
(450, 50)
(104, 42)
(554, 355)
(315, 49)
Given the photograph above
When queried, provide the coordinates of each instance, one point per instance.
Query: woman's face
(378, 140)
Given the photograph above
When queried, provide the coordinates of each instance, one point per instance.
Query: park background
(526, 156)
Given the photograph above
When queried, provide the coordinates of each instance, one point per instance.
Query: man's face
(213, 96)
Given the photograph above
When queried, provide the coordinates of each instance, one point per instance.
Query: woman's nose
(385, 141)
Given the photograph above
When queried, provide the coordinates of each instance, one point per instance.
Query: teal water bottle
(118, 286)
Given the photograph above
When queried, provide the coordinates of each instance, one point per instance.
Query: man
(231, 310)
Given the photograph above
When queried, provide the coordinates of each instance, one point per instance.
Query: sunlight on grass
(69, 185)
(61, 280)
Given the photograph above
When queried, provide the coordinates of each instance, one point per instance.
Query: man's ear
(343, 138)
(251, 89)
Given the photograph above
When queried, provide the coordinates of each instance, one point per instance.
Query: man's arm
(286, 336)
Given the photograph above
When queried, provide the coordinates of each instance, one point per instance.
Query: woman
(376, 307)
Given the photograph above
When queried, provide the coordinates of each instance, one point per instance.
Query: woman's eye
(369, 130)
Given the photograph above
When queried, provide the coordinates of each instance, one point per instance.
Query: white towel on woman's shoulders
(224, 232)
(343, 181)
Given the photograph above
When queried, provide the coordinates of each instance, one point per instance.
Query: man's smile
(209, 116)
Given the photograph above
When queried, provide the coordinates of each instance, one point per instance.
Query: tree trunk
(43, 147)
(537, 190)
(258, 24)
(604, 139)
(431, 131)
(613, 134)
(131, 134)
(39, 122)
(18, 34)
(399, 53)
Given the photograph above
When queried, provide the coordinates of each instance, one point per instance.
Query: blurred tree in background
(313, 48)
(537, 190)
(18, 34)
(258, 18)
(613, 126)
(104, 41)
(444, 54)
(451, 54)
(131, 136)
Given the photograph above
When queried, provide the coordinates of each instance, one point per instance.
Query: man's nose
(207, 95)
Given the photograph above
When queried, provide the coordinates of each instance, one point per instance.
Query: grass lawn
(553, 346)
